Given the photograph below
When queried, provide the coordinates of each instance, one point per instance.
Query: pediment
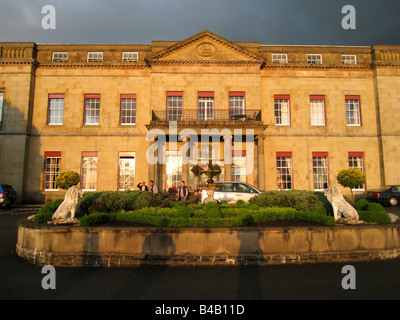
(205, 47)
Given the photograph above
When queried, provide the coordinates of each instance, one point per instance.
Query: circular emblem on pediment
(206, 49)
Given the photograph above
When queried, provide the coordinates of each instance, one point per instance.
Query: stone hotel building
(313, 110)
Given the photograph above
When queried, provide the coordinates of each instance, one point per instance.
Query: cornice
(386, 64)
(18, 61)
(207, 62)
(93, 65)
(277, 66)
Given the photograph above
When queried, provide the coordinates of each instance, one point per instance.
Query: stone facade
(203, 66)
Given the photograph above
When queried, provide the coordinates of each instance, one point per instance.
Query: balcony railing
(206, 115)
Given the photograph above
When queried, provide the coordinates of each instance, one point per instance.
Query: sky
(281, 22)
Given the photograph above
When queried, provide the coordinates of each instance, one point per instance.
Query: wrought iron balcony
(206, 115)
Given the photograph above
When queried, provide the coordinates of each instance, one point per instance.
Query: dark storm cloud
(265, 21)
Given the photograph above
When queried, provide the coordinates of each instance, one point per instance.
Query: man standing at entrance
(183, 192)
(153, 187)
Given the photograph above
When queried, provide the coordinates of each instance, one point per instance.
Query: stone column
(152, 169)
(261, 163)
(228, 166)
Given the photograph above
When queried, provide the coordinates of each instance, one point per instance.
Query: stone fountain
(209, 186)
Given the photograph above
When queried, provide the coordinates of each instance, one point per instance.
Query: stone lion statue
(341, 208)
(66, 211)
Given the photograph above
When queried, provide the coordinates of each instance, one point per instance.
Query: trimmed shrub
(375, 213)
(84, 203)
(112, 201)
(95, 219)
(299, 200)
(67, 179)
(247, 220)
(213, 210)
(362, 205)
(240, 203)
(46, 212)
(184, 212)
(145, 199)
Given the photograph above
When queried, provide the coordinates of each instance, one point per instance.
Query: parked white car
(231, 192)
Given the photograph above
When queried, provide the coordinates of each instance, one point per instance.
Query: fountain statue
(209, 186)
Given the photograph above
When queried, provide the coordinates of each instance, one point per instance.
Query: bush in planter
(145, 199)
(67, 179)
(213, 210)
(372, 212)
(299, 200)
(362, 205)
(84, 203)
(95, 219)
(351, 178)
(112, 201)
(184, 212)
(46, 212)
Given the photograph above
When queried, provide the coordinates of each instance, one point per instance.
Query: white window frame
(317, 112)
(130, 57)
(324, 175)
(279, 104)
(131, 104)
(236, 105)
(353, 117)
(60, 57)
(95, 57)
(92, 111)
(173, 169)
(284, 172)
(89, 172)
(126, 171)
(349, 59)
(51, 172)
(174, 108)
(206, 108)
(279, 58)
(57, 108)
(314, 58)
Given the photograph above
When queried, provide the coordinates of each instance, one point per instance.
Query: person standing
(142, 186)
(153, 187)
(183, 192)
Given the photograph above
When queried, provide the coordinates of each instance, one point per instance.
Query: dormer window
(349, 59)
(129, 57)
(314, 58)
(95, 57)
(279, 58)
(60, 57)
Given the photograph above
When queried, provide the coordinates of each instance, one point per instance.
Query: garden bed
(270, 223)
(273, 208)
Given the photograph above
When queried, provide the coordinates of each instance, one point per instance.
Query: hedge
(144, 207)
(297, 199)
(372, 212)
(114, 201)
(46, 212)
(228, 217)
